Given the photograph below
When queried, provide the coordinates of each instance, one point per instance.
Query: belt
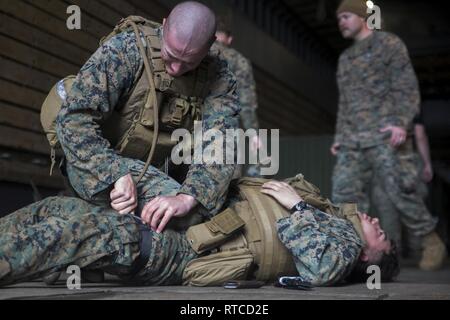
(145, 246)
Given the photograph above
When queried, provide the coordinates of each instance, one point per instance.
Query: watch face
(301, 205)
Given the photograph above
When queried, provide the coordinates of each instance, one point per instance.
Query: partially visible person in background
(246, 91)
(423, 149)
(388, 214)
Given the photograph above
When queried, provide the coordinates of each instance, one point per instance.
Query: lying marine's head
(188, 34)
(352, 15)
(379, 250)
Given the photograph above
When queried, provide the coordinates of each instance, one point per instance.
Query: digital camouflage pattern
(396, 173)
(246, 87)
(377, 88)
(324, 247)
(50, 235)
(246, 91)
(56, 232)
(390, 218)
(103, 85)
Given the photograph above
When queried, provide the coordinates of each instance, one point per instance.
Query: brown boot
(433, 253)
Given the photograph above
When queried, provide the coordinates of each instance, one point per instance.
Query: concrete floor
(412, 284)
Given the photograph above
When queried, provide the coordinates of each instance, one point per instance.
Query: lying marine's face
(350, 24)
(377, 241)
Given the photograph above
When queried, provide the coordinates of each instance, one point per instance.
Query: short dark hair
(223, 25)
(388, 264)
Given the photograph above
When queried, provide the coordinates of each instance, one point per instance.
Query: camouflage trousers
(154, 183)
(50, 235)
(396, 171)
(389, 215)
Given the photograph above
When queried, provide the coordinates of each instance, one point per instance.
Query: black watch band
(302, 205)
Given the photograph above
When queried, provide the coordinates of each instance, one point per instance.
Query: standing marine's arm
(206, 182)
(105, 78)
(404, 89)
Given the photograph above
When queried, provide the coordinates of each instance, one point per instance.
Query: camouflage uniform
(246, 87)
(246, 91)
(324, 247)
(103, 85)
(378, 88)
(52, 234)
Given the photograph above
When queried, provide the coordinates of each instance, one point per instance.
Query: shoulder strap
(125, 24)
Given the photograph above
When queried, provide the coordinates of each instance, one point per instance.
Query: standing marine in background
(378, 99)
(387, 212)
(246, 91)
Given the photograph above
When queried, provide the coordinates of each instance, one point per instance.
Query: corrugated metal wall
(36, 50)
(309, 155)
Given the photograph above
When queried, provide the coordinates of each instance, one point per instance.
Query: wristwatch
(302, 205)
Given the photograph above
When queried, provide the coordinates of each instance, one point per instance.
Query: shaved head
(188, 33)
(192, 23)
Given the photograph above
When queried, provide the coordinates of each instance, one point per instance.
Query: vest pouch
(136, 142)
(211, 234)
(177, 113)
(215, 269)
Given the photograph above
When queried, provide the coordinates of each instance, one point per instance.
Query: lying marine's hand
(282, 192)
(124, 195)
(398, 135)
(158, 212)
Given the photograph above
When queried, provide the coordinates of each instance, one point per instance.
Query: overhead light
(370, 4)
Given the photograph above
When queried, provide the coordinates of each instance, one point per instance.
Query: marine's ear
(364, 257)
(230, 40)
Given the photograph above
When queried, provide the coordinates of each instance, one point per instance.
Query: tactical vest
(135, 124)
(242, 241)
